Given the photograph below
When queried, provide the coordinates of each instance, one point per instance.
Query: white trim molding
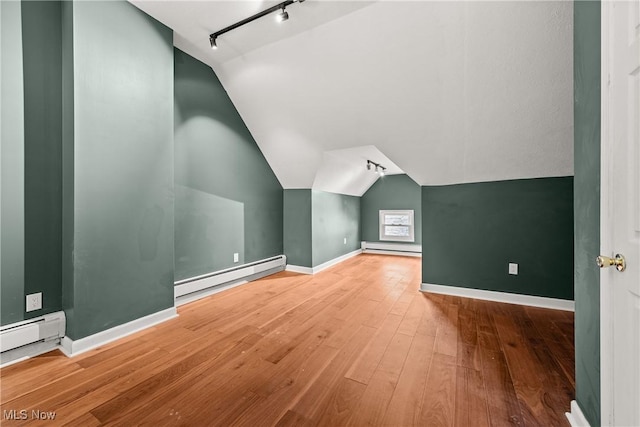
(22, 359)
(607, 308)
(534, 301)
(299, 269)
(186, 299)
(226, 276)
(396, 213)
(576, 417)
(75, 347)
(382, 248)
(323, 266)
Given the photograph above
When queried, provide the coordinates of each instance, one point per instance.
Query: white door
(620, 213)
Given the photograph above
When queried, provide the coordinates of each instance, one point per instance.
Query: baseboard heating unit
(188, 290)
(31, 337)
(405, 249)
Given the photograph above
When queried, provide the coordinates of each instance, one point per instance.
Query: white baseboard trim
(299, 269)
(386, 246)
(396, 253)
(401, 249)
(576, 417)
(75, 347)
(323, 266)
(535, 301)
(27, 352)
(221, 277)
(338, 260)
(207, 292)
(18, 360)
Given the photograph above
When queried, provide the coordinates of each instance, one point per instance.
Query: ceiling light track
(380, 170)
(282, 16)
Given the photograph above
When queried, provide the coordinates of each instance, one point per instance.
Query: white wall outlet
(345, 240)
(513, 268)
(236, 257)
(34, 301)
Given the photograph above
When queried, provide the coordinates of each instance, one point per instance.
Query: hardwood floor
(355, 345)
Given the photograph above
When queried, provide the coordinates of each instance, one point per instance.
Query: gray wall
(68, 140)
(12, 170)
(390, 192)
(41, 20)
(122, 186)
(228, 199)
(316, 224)
(297, 227)
(472, 231)
(586, 71)
(334, 218)
(31, 153)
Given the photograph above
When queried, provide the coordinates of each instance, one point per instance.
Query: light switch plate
(513, 268)
(34, 301)
(345, 240)
(236, 257)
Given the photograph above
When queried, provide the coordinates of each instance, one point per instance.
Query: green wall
(12, 296)
(334, 218)
(31, 152)
(41, 20)
(390, 192)
(586, 74)
(228, 200)
(316, 224)
(297, 227)
(122, 230)
(68, 139)
(472, 231)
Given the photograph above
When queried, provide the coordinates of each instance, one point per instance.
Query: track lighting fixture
(282, 15)
(379, 169)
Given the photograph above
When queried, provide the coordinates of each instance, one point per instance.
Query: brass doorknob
(618, 261)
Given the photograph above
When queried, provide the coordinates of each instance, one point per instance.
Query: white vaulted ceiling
(448, 92)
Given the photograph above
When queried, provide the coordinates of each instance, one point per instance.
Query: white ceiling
(450, 92)
(345, 172)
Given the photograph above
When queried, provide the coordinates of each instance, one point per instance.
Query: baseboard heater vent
(406, 249)
(248, 271)
(40, 333)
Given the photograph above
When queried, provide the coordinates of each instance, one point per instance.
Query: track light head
(379, 169)
(280, 8)
(282, 16)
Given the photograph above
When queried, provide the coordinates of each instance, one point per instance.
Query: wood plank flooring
(355, 345)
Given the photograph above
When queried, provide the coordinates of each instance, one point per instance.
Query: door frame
(606, 218)
(606, 320)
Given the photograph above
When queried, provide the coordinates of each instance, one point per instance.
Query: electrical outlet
(34, 301)
(345, 240)
(513, 268)
(236, 257)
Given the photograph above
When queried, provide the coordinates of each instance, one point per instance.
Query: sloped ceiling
(449, 92)
(344, 171)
